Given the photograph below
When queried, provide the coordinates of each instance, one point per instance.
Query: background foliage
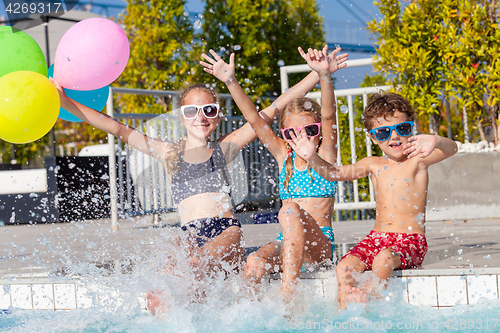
(438, 49)
(264, 35)
(161, 42)
(166, 47)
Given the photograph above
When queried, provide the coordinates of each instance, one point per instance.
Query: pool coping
(37, 278)
(437, 288)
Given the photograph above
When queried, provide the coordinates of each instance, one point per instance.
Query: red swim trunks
(411, 248)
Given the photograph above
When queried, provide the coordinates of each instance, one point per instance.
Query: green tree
(437, 49)
(264, 35)
(407, 49)
(161, 39)
(472, 62)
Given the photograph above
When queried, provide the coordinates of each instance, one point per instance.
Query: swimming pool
(115, 304)
(100, 298)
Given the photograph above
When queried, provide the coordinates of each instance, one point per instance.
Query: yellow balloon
(29, 106)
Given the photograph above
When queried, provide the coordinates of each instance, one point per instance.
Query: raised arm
(306, 149)
(325, 65)
(145, 144)
(223, 71)
(259, 125)
(430, 148)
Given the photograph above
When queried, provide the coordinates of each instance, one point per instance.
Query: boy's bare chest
(397, 177)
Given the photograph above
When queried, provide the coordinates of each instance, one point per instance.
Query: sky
(344, 23)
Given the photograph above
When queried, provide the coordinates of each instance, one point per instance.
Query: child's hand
(62, 94)
(317, 60)
(422, 145)
(303, 145)
(218, 68)
(337, 61)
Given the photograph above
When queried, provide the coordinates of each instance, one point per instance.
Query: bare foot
(287, 292)
(354, 295)
(156, 303)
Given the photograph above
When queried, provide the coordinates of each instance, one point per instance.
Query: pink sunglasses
(312, 130)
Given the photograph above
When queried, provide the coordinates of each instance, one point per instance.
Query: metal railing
(127, 198)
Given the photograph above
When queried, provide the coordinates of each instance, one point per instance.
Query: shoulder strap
(218, 154)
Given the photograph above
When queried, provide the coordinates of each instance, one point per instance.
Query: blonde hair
(172, 160)
(301, 105)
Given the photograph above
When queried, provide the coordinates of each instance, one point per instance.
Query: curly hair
(385, 105)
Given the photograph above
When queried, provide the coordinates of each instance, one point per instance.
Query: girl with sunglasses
(306, 214)
(197, 165)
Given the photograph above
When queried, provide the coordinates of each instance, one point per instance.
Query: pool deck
(462, 265)
(37, 249)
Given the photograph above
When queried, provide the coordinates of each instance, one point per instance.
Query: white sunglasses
(191, 111)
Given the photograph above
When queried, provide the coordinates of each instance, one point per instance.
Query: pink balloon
(91, 54)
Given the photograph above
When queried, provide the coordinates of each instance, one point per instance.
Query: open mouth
(395, 145)
(201, 125)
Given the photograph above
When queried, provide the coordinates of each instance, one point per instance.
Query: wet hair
(385, 105)
(172, 160)
(299, 105)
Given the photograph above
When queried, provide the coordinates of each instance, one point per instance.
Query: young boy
(400, 180)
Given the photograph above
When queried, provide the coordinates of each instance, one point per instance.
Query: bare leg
(302, 239)
(222, 252)
(384, 263)
(157, 303)
(348, 292)
(265, 260)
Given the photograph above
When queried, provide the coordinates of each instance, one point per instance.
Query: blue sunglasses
(384, 133)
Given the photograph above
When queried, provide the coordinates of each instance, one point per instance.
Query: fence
(260, 168)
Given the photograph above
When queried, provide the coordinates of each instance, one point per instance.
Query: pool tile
(482, 286)
(404, 288)
(43, 297)
(83, 298)
(451, 290)
(422, 291)
(330, 289)
(64, 296)
(4, 297)
(21, 296)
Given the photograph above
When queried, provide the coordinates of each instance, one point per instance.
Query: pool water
(227, 306)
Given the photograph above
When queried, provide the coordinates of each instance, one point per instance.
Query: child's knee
(343, 269)
(386, 258)
(289, 209)
(290, 215)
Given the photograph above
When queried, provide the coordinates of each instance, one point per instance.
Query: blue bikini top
(302, 186)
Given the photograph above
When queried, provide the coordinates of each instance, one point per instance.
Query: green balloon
(20, 52)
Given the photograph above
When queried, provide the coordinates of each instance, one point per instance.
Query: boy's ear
(372, 137)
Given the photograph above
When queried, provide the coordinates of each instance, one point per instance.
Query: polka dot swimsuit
(302, 186)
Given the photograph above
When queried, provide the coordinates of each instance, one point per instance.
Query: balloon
(19, 52)
(91, 54)
(94, 99)
(29, 105)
